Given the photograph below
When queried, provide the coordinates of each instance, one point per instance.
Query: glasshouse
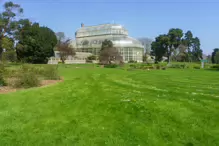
(89, 39)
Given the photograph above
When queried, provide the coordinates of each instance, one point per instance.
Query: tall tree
(36, 44)
(213, 55)
(196, 50)
(175, 39)
(188, 41)
(8, 21)
(160, 47)
(216, 58)
(65, 50)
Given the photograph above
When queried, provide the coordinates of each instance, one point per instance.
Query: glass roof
(104, 29)
(118, 41)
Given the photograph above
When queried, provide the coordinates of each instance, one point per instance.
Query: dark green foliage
(144, 66)
(214, 54)
(132, 61)
(196, 50)
(107, 44)
(2, 73)
(160, 47)
(92, 57)
(215, 67)
(175, 47)
(216, 58)
(187, 41)
(36, 44)
(10, 56)
(111, 65)
(179, 66)
(186, 66)
(175, 39)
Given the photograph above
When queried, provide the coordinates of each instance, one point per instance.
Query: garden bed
(9, 89)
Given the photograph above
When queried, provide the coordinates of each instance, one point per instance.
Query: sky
(142, 18)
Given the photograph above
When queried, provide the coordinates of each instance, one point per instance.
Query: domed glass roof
(104, 29)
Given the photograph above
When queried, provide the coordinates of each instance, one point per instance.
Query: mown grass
(99, 106)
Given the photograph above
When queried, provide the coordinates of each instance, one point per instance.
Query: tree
(107, 44)
(175, 39)
(196, 50)
(160, 47)
(216, 58)
(8, 23)
(182, 54)
(214, 54)
(65, 50)
(35, 44)
(7, 43)
(109, 54)
(9, 55)
(209, 58)
(187, 41)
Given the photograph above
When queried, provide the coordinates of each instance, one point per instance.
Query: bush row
(173, 65)
(147, 66)
(28, 76)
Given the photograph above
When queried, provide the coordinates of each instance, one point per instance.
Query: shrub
(10, 56)
(132, 61)
(2, 73)
(176, 66)
(133, 66)
(142, 66)
(179, 65)
(92, 57)
(50, 72)
(196, 66)
(89, 61)
(2, 81)
(111, 66)
(26, 80)
(25, 77)
(215, 66)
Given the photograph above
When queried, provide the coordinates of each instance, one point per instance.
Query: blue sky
(143, 18)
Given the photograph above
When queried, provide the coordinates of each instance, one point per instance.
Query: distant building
(89, 39)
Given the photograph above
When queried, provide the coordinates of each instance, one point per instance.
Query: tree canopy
(176, 45)
(36, 44)
(216, 58)
(8, 23)
(214, 54)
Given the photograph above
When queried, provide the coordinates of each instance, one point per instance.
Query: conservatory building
(89, 39)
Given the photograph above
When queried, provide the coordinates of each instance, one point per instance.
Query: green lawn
(114, 107)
